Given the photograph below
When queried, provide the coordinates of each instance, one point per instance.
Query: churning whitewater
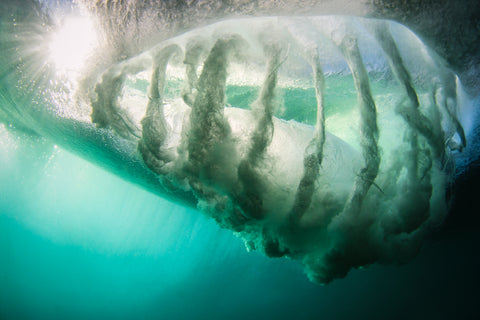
(205, 119)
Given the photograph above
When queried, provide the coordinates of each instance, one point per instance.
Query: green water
(294, 103)
(300, 104)
(76, 242)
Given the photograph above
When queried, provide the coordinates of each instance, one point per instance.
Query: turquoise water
(77, 242)
(297, 102)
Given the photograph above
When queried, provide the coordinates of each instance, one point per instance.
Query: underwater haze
(214, 160)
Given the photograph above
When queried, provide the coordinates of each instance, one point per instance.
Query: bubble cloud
(330, 194)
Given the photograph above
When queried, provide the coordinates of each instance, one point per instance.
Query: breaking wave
(327, 140)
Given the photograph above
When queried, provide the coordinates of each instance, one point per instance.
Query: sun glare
(72, 43)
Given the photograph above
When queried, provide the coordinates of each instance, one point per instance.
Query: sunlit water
(79, 242)
(70, 248)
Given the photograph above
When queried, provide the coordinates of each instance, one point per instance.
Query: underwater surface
(96, 223)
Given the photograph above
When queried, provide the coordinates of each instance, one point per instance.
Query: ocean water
(78, 242)
(84, 233)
